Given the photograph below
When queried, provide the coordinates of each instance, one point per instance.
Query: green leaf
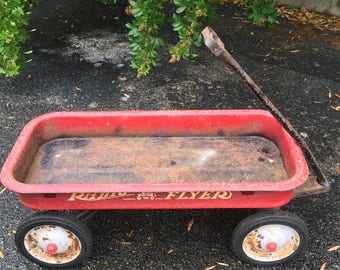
(180, 10)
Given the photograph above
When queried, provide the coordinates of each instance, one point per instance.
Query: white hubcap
(52, 244)
(271, 243)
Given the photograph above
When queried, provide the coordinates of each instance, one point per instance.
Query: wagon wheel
(53, 240)
(269, 238)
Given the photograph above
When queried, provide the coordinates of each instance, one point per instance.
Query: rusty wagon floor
(157, 160)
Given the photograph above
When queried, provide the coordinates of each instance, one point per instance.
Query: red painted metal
(153, 123)
(152, 200)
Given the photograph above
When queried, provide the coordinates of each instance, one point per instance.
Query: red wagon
(156, 160)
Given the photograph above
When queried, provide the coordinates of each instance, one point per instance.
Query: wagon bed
(154, 160)
(157, 160)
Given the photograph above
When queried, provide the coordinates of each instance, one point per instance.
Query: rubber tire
(266, 218)
(70, 223)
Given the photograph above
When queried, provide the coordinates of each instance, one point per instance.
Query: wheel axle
(51, 248)
(271, 246)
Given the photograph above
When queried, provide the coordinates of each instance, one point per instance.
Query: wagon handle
(214, 43)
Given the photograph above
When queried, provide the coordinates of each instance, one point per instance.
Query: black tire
(34, 234)
(284, 237)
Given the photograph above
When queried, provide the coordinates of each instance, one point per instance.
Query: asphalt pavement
(81, 62)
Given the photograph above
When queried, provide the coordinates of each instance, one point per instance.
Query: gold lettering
(225, 195)
(90, 196)
(103, 196)
(97, 196)
(182, 196)
(76, 196)
(170, 195)
(193, 195)
(205, 195)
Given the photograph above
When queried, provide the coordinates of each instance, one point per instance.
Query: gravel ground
(80, 62)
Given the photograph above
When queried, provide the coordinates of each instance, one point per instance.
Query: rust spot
(260, 236)
(118, 130)
(258, 241)
(220, 132)
(253, 245)
(265, 150)
(261, 159)
(32, 242)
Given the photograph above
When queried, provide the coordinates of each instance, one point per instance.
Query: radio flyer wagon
(157, 160)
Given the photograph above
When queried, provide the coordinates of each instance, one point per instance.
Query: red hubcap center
(51, 248)
(271, 246)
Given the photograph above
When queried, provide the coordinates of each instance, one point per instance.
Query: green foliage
(14, 16)
(145, 37)
(187, 22)
(262, 12)
(144, 33)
